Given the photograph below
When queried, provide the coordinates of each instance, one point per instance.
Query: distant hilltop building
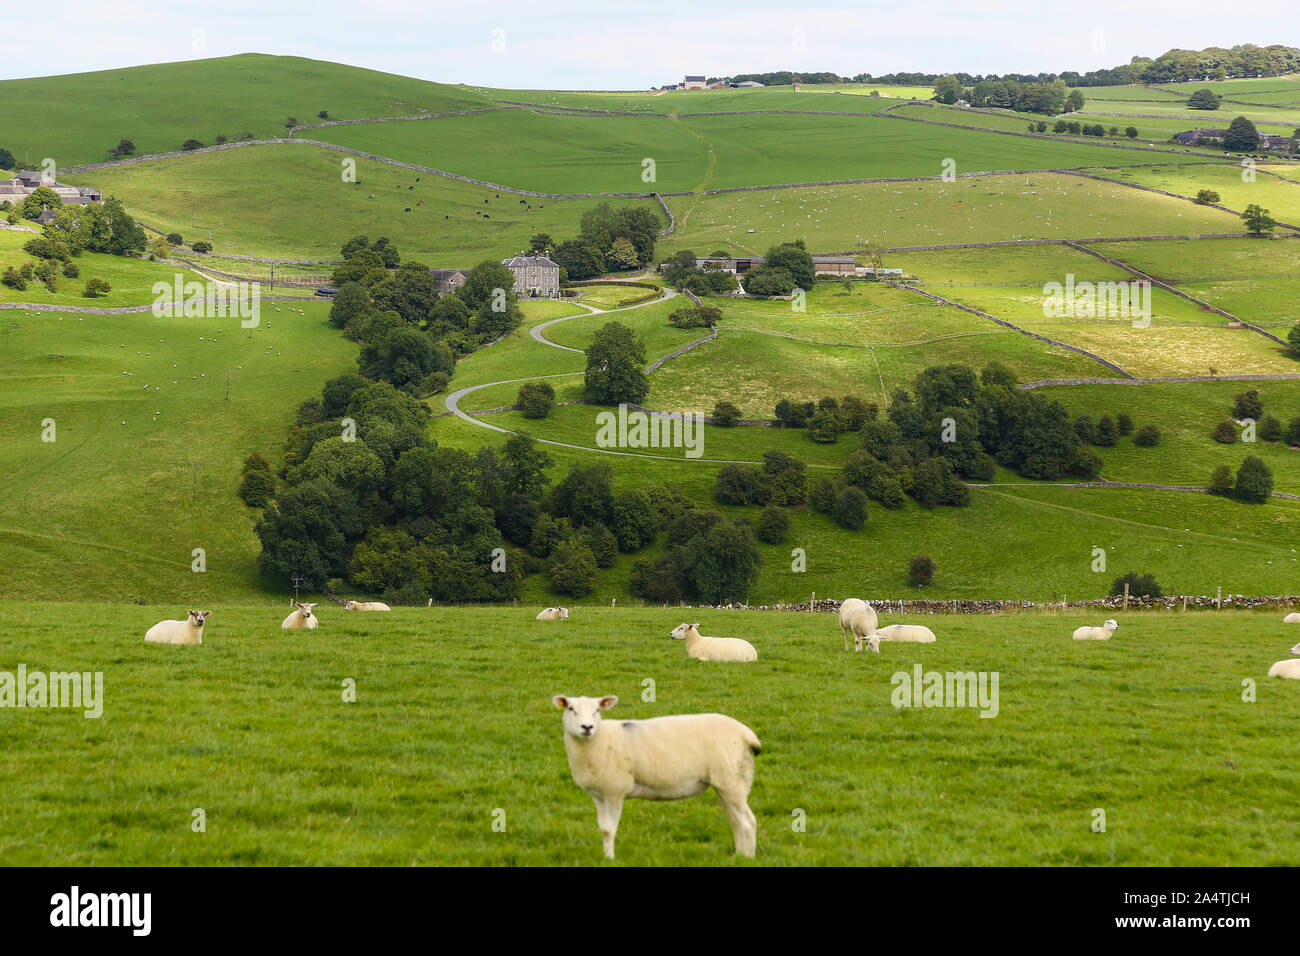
(694, 83)
(29, 180)
(535, 276)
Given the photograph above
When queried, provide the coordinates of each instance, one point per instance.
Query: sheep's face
(1296, 650)
(873, 643)
(582, 714)
(350, 606)
(1112, 624)
(306, 609)
(564, 614)
(679, 632)
(198, 617)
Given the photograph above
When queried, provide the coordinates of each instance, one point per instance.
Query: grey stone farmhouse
(29, 180)
(535, 276)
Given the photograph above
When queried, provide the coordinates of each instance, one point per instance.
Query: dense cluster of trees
(1049, 97)
(786, 267)
(609, 240)
(710, 558)
(411, 336)
(1253, 482)
(1204, 99)
(75, 229)
(680, 271)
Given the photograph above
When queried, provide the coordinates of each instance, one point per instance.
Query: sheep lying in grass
(367, 606)
(915, 633)
(1102, 633)
(1288, 668)
(713, 648)
(554, 614)
(300, 617)
(858, 618)
(663, 758)
(188, 631)
(1296, 649)
(1292, 618)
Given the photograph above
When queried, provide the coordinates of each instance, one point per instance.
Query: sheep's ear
(560, 701)
(607, 702)
(696, 625)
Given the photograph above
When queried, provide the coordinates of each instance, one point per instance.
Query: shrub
(175, 239)
(1293, 432)
(920, 570)
(535, 399)
(824, 494)
(1107, 432)
(1207, 196)
(1086, 429)
(1148, 436)
(257, 488)
(14, 279)
(1144, 585)
(96, 287)
(191, 144)
(850, 509)
(1224, 432)
(824, 427)
(602, 544)
(725, 414)
(695, 317)
(1221, 480)
(739, 485)
(635, 520)
(435, 383)
(773, 525)
(71, 270)
(1248, 405)
(202, 246)
(572, 570)
(887, 490)
(1270, 429)
(1124, 422)
(1254, 481)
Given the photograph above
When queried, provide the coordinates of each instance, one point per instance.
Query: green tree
(39, 200)
(1221, 480)
(1148, 436)
(1242, 137)
(535, 399)
(1254, 481)
(1293, 339)
(635, 521)
(850, 509)
(488, 285)
(1224, 433)
(794, 259)
(622, 254)
(1139, 585)
(920, 570)
(541, 243)
(1131, 132)
(1257, 219)
(1203, 99)
(615, 360)
(773, 525)
(351, 302)
(1206, 196)
(725, 414)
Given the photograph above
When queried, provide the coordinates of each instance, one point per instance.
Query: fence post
(1218, 599)
(1126, 595)
(812, 602)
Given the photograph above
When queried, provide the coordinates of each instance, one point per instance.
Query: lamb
(188, 631)
(713, 648)
(859, 618)
(1102, 633)
(368, 606)
(915, 633)
(663, 758)
(1292, 618)
(554, 614)
(301, 616)
(1288, 668)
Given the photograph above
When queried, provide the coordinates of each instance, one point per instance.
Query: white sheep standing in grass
(554, 614)
(1292, 618)
(913, 633)
(663, 758)
(1288, 668)
(300, 617)
(1102, 633)
(370, 606)
(713, 648)
(188, 631)
(858, 618)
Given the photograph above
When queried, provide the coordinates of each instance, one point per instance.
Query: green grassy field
(108, 507)
(252, 729)
(976, 209)
(159, 107)
(289, 201)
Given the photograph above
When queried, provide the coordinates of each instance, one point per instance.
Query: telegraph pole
(296, 581)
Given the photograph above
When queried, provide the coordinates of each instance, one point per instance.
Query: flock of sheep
(682, 755)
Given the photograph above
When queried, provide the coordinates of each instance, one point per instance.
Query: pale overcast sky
(567, 44)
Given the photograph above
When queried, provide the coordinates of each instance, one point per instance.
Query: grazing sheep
(369, 606)
(1296, 649)
(1292, 618)
(188, 631)
(554, 614)
(1289, 668)
(915, 633)
(301, 616)
(713, 648)
(663, 758)
(858, 618)
(1102, 633)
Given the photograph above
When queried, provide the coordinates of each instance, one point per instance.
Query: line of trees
(608, 240)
